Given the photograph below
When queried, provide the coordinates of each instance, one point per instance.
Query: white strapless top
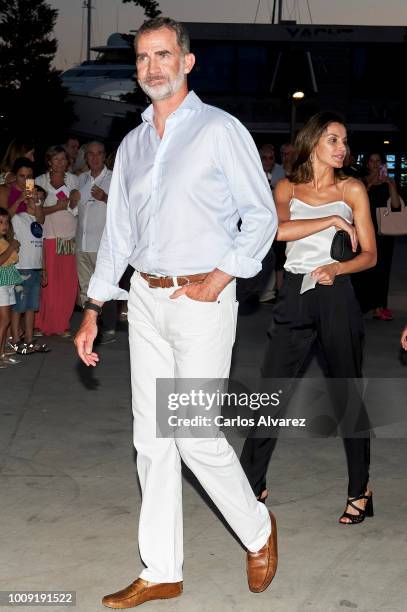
(307, 254)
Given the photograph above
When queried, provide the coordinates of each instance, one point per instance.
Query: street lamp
(295, 98)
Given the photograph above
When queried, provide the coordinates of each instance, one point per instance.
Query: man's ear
(189, 62)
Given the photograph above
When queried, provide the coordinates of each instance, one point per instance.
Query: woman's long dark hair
(306, 141)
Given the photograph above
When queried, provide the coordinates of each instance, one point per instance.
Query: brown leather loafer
(140, 591)
(262, 565)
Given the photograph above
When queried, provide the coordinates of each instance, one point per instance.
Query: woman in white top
(60, 209)
(316, 302)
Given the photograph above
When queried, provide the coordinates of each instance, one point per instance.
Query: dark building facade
(252, 70)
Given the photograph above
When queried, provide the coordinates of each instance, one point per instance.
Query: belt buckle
(187, 279)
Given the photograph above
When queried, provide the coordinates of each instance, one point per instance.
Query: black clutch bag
(341, 247)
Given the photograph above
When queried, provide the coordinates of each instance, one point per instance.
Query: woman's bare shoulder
(283, 187)
(354, 186)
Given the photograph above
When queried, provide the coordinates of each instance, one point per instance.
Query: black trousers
(329, 314)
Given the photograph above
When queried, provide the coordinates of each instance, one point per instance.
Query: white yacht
(97, 88)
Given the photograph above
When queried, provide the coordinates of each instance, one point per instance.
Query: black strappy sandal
(363, 512)
(262, 498)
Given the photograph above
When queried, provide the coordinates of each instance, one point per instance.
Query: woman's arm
(295, 230)
(4, 194)
(39, 214)
(13, 246)
(356, 196)
(395, 200)
(60, 205)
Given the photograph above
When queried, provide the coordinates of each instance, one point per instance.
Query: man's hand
(200, 292)
(325, 275)
(85, 337)
(207, 290)
(98, 194)
(403, 339)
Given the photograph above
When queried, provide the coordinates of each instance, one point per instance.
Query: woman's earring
(312, 158)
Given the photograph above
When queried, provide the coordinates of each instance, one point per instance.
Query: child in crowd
(28, 231)
(9, 277)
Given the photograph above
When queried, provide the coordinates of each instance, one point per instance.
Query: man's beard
(166, 90)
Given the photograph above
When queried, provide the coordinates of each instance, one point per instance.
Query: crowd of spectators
(51, 224)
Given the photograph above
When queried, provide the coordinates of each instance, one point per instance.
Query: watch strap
(90, 306)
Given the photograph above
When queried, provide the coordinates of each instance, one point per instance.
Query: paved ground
(70, 499)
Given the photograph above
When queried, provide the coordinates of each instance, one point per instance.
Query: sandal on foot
(40, 348)
(24, 348)
(263, 496)
(353, 519)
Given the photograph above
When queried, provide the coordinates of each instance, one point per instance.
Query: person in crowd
(14, 195)
(94, 188)
(372, 286)
(60, 209)
(274, 172)
(182, 308)
(9, 277)
(28, 231)
(80, 164)
(17, 148)
(271, 274)
(317, 302)
(403, 339)
(71, 147)
(110, 159)
(350, 165)
(287, 157)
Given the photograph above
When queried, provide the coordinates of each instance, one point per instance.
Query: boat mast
(280, 11)
(88, 5)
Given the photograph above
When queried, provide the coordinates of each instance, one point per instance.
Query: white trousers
(183, 338)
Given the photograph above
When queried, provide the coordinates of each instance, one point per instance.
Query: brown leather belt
(164, 282)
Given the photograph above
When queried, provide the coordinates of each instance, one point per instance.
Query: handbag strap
(402, 205)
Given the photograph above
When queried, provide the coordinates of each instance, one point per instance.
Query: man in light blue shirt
(180, 183)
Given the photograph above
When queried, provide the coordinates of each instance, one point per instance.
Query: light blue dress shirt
(174, 203)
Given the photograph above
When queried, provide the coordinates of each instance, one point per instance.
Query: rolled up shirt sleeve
(116, 244)
(240, 162)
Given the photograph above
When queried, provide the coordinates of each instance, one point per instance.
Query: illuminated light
(386, 141)
(298, 95)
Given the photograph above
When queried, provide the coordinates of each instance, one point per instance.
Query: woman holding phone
(372, 286)
(316, 302)
(13, 195)
(60, 210)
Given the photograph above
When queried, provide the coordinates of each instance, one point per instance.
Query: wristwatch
(90, 306)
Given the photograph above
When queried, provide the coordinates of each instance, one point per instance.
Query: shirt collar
(99, 176)
(191, 101)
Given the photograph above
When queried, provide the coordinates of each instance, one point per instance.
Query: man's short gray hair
(95, 142)
(166, 22)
